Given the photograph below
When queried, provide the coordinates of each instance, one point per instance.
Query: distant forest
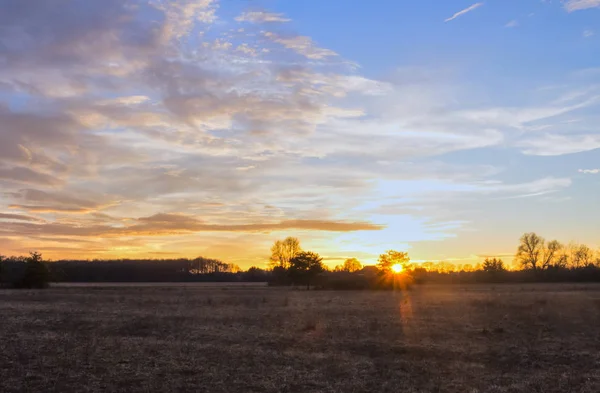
(538, 261)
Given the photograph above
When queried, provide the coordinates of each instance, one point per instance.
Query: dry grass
(531, 338)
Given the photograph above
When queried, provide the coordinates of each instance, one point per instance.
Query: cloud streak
(173, 225)
(578, 5)
(262, 17)
(18, 217)
(463, 12)
(301, 45)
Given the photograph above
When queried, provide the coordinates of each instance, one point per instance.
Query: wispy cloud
(557, 144)
(301, 45)
(589, 171)
(465, 11)
(588, 33)
(261, 17)
(576, 5)
(18, 217)
(512, 23)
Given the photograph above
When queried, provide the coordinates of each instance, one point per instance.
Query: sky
(160, 129)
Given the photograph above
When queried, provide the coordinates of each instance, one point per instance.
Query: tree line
(537, 260)
(14, 270)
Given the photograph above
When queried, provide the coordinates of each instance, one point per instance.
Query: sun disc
(397, 268)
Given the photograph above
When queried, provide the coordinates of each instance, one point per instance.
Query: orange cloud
(175, 224)
(19, 217)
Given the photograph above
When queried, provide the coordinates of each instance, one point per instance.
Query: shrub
(343, 281)
(279, 277)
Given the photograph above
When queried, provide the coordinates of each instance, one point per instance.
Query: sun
(397, 268)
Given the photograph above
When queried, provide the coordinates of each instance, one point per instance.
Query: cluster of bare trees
(535, 253)
(350, 265)
(203, 265)
(283, 251)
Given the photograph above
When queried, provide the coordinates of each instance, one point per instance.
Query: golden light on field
(397, 268)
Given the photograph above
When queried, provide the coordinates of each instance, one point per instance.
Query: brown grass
(513, 338)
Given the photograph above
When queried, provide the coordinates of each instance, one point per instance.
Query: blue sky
(383, 35)
(205, 127)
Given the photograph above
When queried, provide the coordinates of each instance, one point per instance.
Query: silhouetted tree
(493, 265)
(552, 255)
(2, 258)
(36, 274)
(351, 265)
(391, 258)
(562, 260)
(203, 265)
(304, 267)
(283, 251)
(534, 253)
(530, 251)
(583, 256)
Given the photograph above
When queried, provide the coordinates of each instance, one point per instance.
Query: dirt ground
(169, 338)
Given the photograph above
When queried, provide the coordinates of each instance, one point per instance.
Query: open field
(503, 338)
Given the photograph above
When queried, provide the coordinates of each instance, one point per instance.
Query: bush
(279, 277)
(364, 280)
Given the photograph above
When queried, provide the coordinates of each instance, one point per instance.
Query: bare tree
(283, 251)
(562, 260)
(583, 256)
(551, 254)
(529, 253)
(351, 265)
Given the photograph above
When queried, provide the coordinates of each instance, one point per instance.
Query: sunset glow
(171, 129)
